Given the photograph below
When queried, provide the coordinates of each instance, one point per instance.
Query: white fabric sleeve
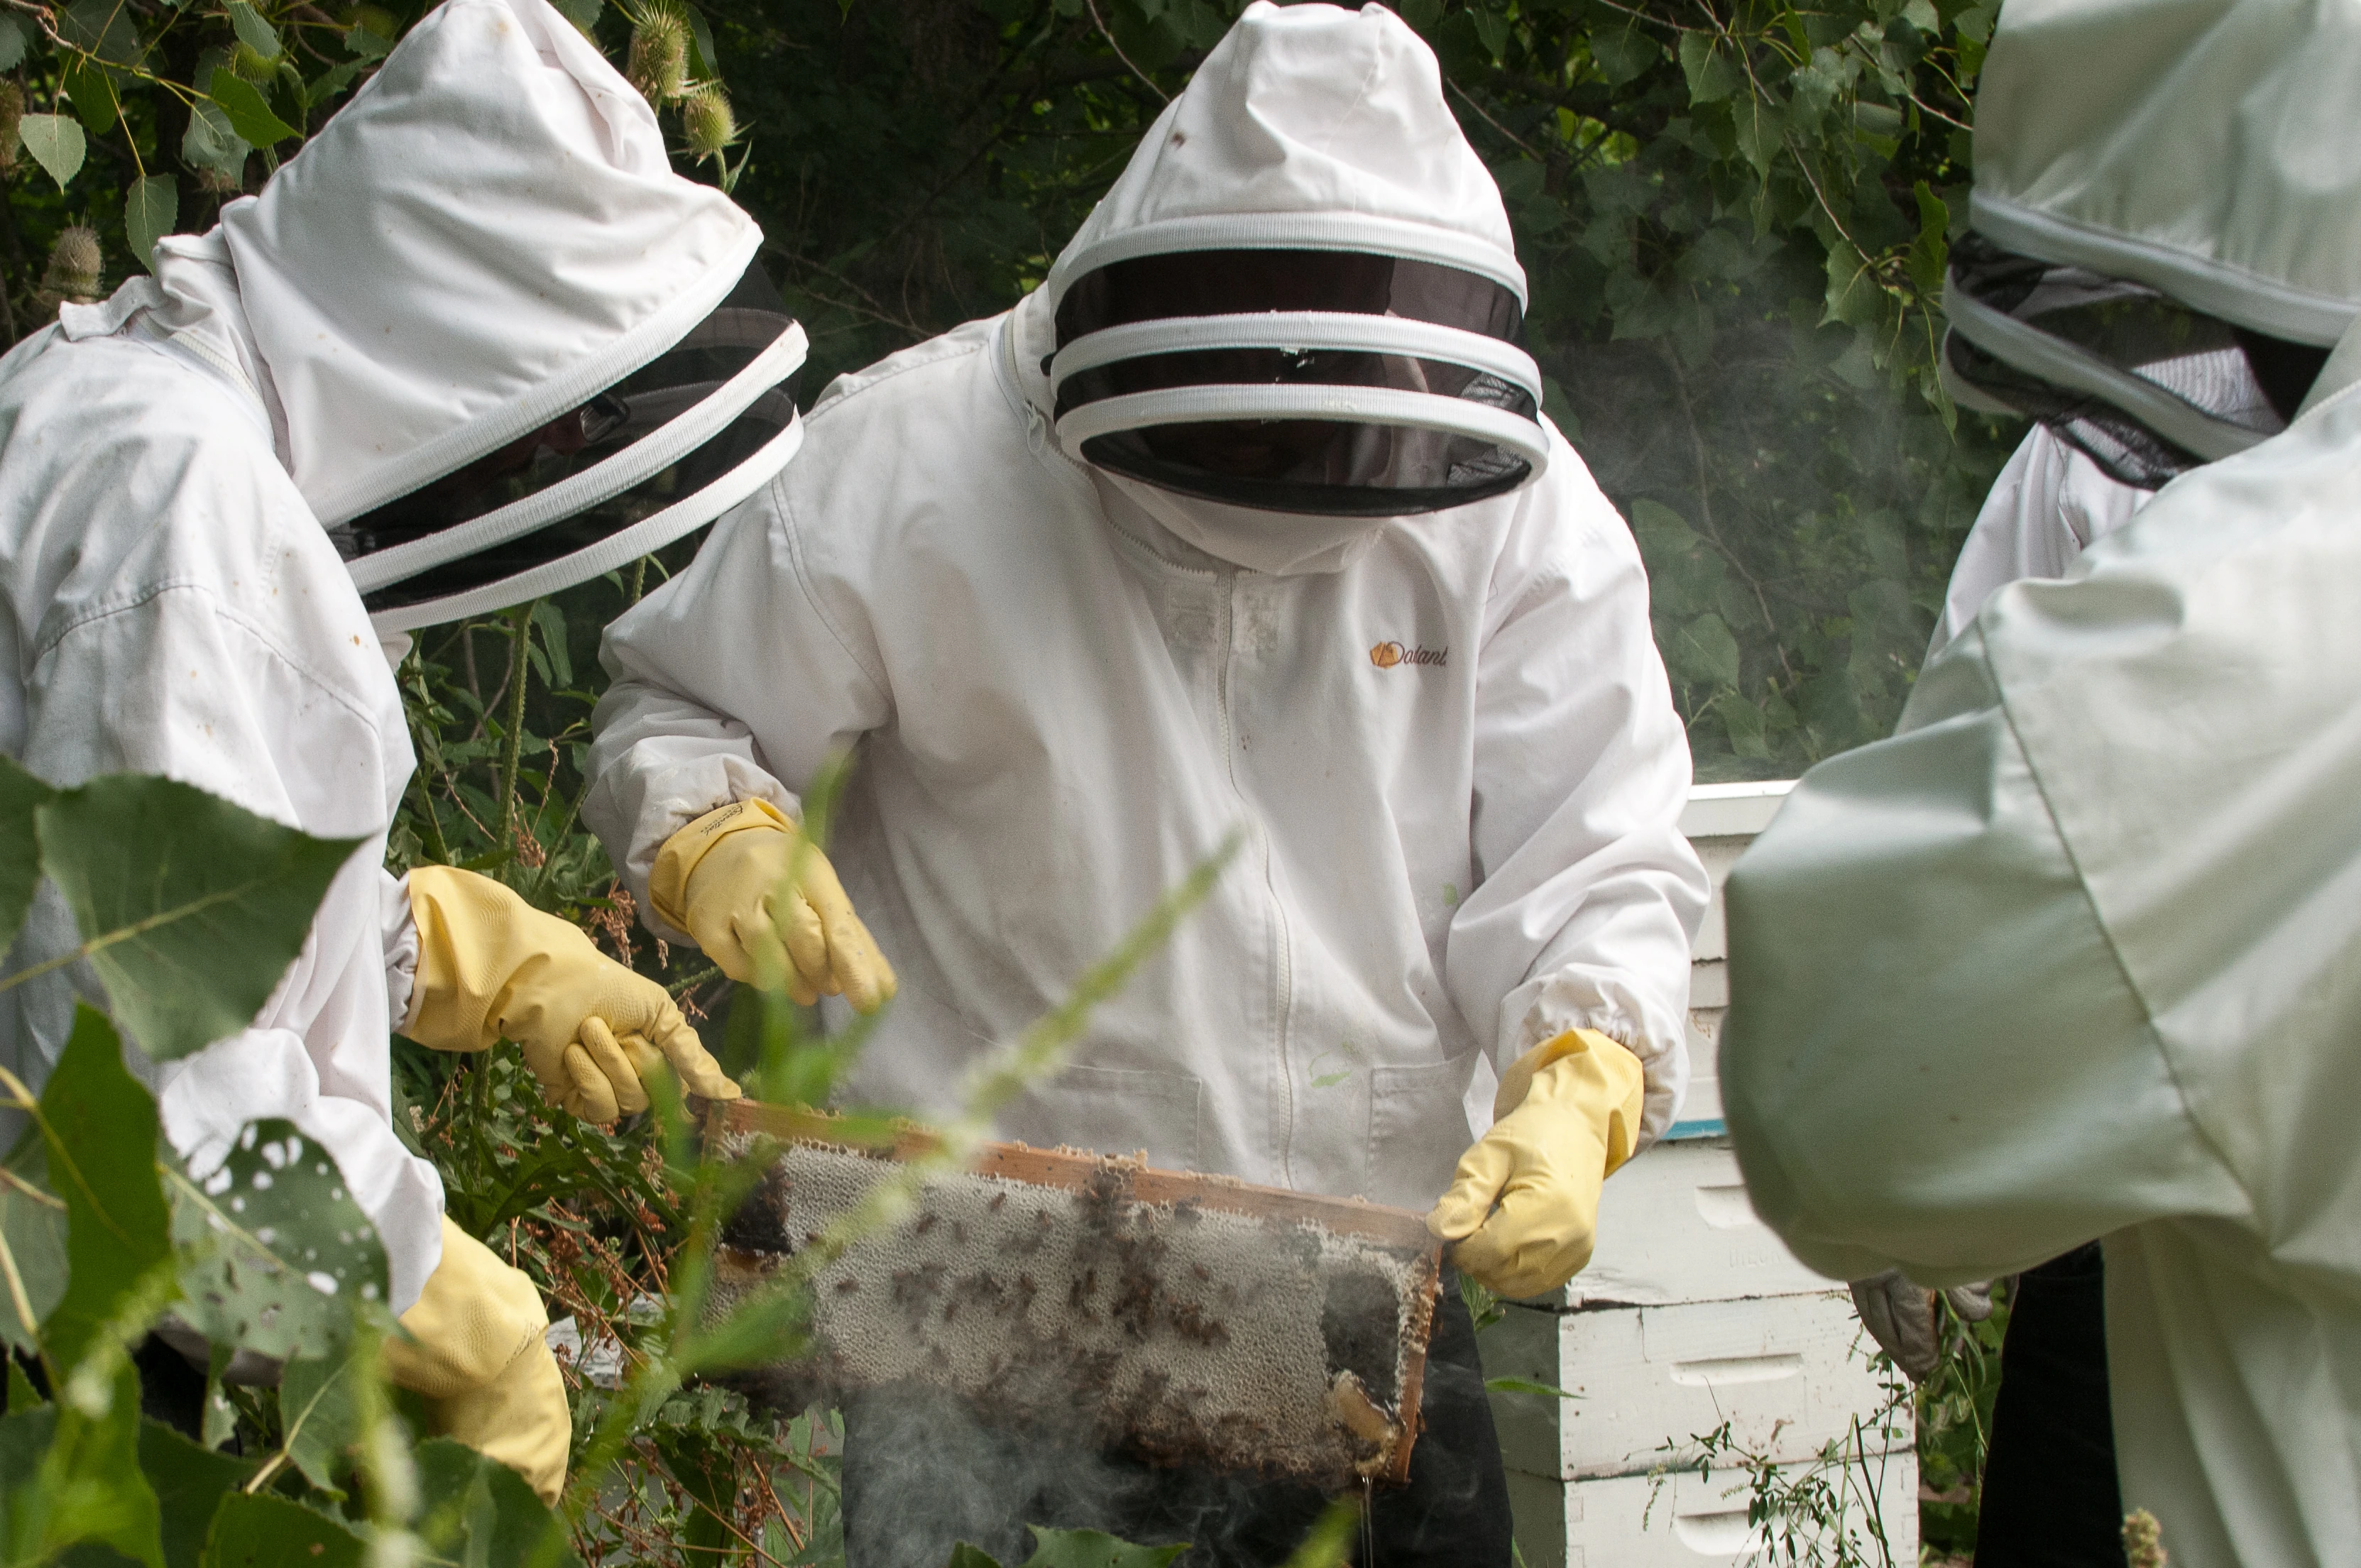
(206, 1099)
(1588, 895)
(1933, 1059)
(401, 928)
(735, 680)
(2049, 504)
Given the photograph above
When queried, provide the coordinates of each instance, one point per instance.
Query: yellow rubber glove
(491, 967)
(476, 1355)
(1522, 1207)
(723, 880)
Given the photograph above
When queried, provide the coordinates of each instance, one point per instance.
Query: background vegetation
(1735, 216)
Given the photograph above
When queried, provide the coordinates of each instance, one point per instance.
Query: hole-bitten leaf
(278, 1254)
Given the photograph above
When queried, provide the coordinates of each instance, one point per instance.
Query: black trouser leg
(2050, 1498)
(920, 1473)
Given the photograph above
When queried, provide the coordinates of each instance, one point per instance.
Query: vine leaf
(100, 1128)
(210, 142)
(252, 30)
(150, 213)
(21, 795)
(250, 114)
(276, 1256)
(190, 908)
(251, 1530)
(56, 143)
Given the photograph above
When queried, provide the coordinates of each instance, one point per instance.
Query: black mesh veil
(2143, 385)
(445, 543)
(1317, 382)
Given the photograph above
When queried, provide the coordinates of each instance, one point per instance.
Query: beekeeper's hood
(1301, 296)
(2166, 221)
(512, 349)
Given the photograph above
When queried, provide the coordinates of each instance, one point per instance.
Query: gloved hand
(1568, 1113)
(476, 1355)
(722, 878)
(1906, 1319)
(492, 966)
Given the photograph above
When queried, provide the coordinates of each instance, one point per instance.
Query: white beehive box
(1692, 1314)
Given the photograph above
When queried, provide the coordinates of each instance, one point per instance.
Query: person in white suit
(474, 343)
(1247, 519)
(2061, 963)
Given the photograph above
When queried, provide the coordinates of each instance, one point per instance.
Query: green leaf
(22, 1394)
(702, 58)
(103, 27)
(964, 1555)
(583, 14)
(367, 45)
(1704, 653)
(33, 1221)
(320, 1412)
(92, 96)
(189, 1482)
(264, 1530)
(330, 83)
(21, 795)
(25, 1437)
(12, 42)
(277, 1257)
(1622, 53)
(1743, 723)
(1492, 27)
(1527, 1386)
(150, 210)
(56, 144)
(99, 1127)
(210, 141)
(481, 1505)
(1094, 1549)
(91, 1485)
(1755, 123)
(552, 623)
(1712, 74)
(249, 113)
(1931, 250)
(191, 907)
(252, 30)
(1855, 296)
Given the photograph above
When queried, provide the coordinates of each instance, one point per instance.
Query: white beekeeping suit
(2049, 503)
(1246, 520)
(432, 332)
(1448, 735)
(2066, 959)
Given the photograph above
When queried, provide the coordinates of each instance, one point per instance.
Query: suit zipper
(1282, 979)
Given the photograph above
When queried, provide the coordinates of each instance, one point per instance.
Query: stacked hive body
(1692, 1314)
(1182, 1318)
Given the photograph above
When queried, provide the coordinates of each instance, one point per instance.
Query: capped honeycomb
(1180, 1318)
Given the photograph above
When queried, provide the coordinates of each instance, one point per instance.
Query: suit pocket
(1418, 1129)
(1116, 1110)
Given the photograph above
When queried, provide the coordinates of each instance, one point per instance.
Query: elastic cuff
(1518, 1082)
(678, 860)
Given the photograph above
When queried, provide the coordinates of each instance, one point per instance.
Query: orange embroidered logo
(1390, 655)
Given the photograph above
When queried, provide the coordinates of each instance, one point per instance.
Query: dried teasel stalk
(708, 121)
(73, 273)
(12, 116)
(659, 59)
